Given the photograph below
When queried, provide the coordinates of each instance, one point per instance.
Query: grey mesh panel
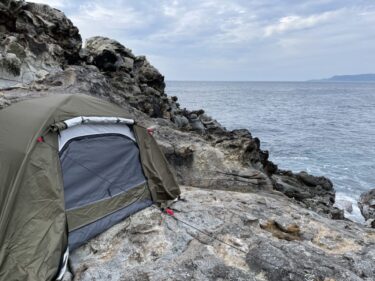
(82, 235)
(98, 167)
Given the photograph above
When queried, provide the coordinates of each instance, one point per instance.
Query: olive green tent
(71, 166)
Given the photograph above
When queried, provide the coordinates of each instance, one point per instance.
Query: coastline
(285, 223)
(298, 136)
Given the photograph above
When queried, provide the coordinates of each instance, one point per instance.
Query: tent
(71, 166)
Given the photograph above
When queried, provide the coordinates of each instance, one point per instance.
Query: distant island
(349, 78)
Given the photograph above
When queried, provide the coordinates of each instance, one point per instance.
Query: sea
(324, 128)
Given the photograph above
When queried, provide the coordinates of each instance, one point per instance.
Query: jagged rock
(36, 40)
(210, 124)
(153, 246)
(316, 193)
(196, 124)
(148, 74)
(133, 77)
(366, 204)
(109, 55)
(266, 226)
(314, 181)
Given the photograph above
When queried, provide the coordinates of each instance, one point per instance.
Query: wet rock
(196, 124)
(313, 181)
(316, 193)
(366, 204)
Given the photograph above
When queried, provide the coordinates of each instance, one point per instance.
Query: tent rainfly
(71, 166)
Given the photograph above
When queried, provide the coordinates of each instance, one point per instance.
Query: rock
(337, 214)
(307, 179)
(233, 244)
(370, 223)
(131, 77)
(316, 193)
(109, 55)
(181, 121)
(3, 101)
(36, 40)
(196, 124)
(11, 64)
(274, 215)
(211, 125)
(148, 74)
(312, 181)
(68, 276)
(366, 204)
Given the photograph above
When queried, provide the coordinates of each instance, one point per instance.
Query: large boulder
(313, 192)
(108, 55)
(366, 204)
(35, 40)
(140, 83)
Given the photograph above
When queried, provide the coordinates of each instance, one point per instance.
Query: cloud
(125, 18)
(292, 23)
(236, 39)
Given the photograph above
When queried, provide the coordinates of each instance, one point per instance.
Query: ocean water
(324, 128)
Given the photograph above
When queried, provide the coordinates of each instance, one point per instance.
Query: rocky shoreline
(107, 69)
(41, 54)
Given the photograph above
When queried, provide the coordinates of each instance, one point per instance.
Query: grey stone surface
(36, 40)
(366, 204)
(154, 246)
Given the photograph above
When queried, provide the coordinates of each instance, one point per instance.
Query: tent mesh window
(96, 169)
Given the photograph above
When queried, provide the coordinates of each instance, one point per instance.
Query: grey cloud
(238, 39)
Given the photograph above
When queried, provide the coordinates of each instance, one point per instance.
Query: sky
(236, 40)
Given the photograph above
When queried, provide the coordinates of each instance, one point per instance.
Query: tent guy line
(170, 212)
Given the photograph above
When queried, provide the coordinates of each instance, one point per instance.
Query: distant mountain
(350, 78)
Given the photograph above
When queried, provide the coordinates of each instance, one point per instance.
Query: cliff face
(202, 153)
(35, 40)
